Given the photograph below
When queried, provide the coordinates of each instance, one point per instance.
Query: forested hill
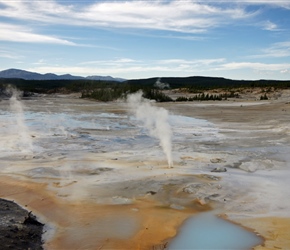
(152, 87)
(203, 82)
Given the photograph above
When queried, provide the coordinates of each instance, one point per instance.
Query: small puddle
(207, 231)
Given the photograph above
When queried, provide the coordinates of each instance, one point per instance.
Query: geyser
(155, 119)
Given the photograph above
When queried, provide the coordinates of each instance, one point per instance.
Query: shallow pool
(207, 231)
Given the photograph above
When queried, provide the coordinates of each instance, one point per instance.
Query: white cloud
(125, 60)
(182, 16)
(16, 33)
(254, 66)
(192, 62)
(40, 62)
(84, 71)
(114, 62)
(268, 25)
(189, 38)
(281, 49)
(275, 3)
(171, 67)
(120, 71)
(9, 55)
(125, 66)
(35, 10)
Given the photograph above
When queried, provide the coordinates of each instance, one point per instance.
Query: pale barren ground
(108, 186)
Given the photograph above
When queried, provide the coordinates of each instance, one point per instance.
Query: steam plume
(161, 85)
(25, 142)
(155, 120)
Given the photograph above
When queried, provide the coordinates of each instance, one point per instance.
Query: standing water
(207, 231)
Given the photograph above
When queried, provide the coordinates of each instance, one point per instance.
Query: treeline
(95, 89)
(193, 84)
(264, 97)
(157, 95)
(200, 83)
(207, 97)
(121, 91)
(53, 86)
(111, 90)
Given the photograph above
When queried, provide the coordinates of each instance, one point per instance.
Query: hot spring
(89, 161)
(207, 231)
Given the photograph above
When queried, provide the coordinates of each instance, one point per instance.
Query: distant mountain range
(27, 75)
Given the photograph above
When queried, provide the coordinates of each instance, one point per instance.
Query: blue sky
(247, 39)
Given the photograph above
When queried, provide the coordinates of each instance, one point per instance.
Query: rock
(234, 165)
(19, 228)
(217, 160)
(213, 197)
(92, 171)
(119, 200)
(191, 188)
(160, 246)
(211, 177)
(219, 169)
(176, 207)
(151, 192)
(182, 163)
(201, 201)
(31, 219)
(249, 167)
